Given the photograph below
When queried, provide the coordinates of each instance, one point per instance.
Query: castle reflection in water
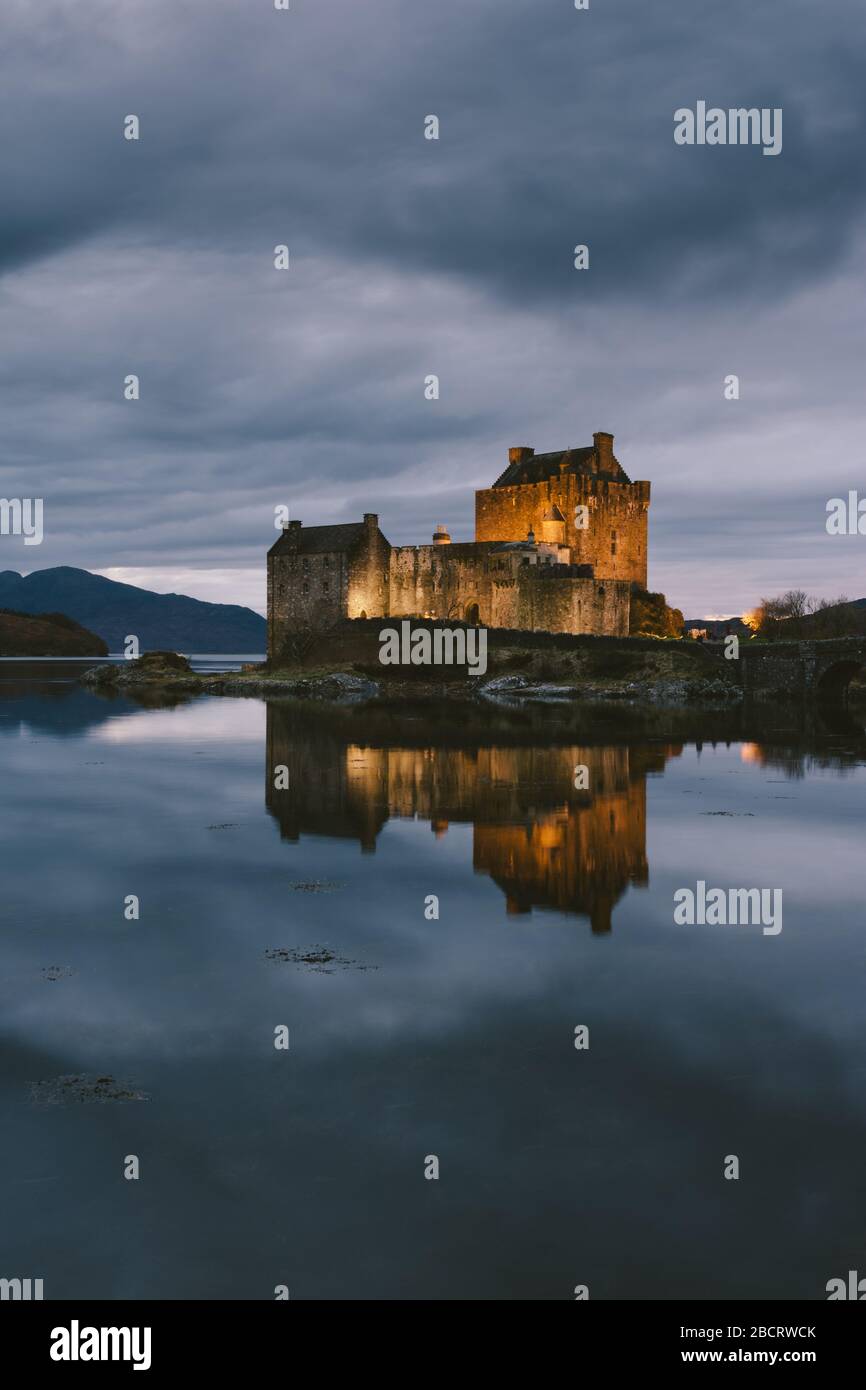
(544, 843)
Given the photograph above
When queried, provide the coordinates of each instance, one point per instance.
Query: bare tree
(795, 615)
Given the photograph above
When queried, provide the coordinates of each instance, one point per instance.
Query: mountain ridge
(114, 611)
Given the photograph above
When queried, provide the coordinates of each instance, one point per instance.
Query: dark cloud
(412, 257)
(556, 126)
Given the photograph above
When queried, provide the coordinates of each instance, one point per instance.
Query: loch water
(431, 907)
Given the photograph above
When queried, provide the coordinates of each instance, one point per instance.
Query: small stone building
(559, 540)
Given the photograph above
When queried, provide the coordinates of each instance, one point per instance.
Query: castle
(559, 541)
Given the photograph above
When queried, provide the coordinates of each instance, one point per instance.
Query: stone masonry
(559, 540)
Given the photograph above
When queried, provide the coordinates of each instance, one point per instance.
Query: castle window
(305, 588)
(325, 587)
(600, 591)
(305, 564)
(613, 547)
(326, 563)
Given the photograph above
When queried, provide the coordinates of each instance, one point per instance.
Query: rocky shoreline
(171, 674)
(664, 693)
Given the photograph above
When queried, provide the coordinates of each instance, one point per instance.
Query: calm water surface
(420, 1037)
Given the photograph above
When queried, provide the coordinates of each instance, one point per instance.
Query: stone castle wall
(484, 583)
(441, 580)
(305, 592)
(472, 583)
(564, 604)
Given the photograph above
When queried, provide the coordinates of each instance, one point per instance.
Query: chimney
(371, 521)
(519, 453)
(441, 536)
(292, 525)
(604, 450)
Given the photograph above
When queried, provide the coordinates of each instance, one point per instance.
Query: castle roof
(314, 540)
(537, 468)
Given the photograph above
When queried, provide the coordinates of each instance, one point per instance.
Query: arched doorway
(471, 616)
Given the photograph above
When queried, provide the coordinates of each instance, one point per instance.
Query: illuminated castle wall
(559, 540)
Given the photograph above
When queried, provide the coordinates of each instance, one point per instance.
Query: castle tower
(578, 498)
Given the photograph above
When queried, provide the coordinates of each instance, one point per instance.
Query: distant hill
(114, 611)
(837, 620)
(49, 634)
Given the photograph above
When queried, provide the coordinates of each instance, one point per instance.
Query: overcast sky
(411, 257)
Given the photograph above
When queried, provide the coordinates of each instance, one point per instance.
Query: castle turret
(553, 526)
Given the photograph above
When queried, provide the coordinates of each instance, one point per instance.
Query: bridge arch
(833, 681)
(819, 671)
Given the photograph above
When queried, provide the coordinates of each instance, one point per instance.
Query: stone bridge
(809, 670)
